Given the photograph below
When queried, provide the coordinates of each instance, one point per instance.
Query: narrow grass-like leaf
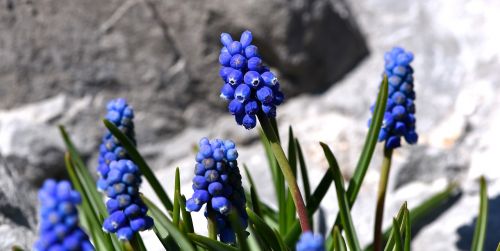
(255, 199)
(266, 232)
(166, 240)
(186, 216)
(482, 219)
(338, 240)
(235, 220)
(407, 244)
(397, 236)
(101, 240)
(303, 171)
(211, 244)
(278, 181)
(162, 221)
(498, 248)
(257, 240)
(367, 152)
(345, 214)
(141, 163)
(281, 243)
(292, 159)
(82, 172)
(177, 194)
(401, 217)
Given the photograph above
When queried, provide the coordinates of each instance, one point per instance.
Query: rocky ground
(63, 72)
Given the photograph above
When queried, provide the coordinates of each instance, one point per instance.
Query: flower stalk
(382, 189)
(280, 156)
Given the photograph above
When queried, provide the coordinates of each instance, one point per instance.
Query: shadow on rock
(466, 232)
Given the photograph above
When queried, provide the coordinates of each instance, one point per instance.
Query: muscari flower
(399, 118)
(59, 229)
(120, 179)
(310, 242)
(249, 86)
(217, 183)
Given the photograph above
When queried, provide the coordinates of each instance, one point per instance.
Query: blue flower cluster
(122, 115)
(120, 178)
(59, 228)
(310, 242)
(217, 183)
(399, 118)
(249, 86)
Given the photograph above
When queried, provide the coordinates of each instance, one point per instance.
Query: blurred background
(61, 61)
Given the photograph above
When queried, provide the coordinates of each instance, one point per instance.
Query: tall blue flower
(399, 118)
(310, 242)
(120, 178)
(122, 115)
(59, 228)
(249, 86)
(217, 183)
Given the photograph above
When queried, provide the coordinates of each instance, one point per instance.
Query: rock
(17, 207)
(163, 56)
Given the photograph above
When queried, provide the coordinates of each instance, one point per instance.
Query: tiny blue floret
(310, 242)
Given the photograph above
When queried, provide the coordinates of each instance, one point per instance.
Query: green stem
(137, 243)
(280, 156)
(382, 188)
(212, 224)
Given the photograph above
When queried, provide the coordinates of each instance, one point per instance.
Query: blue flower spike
(120, 179)
(310, 242)
(217, 183)
(399, 118)
(247, 81)
(59, 229)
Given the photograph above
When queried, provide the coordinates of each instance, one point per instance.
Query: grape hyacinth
(310, 242)
(399, 118)
(122, 115)
(217, 183)
(59, 228)
(249, 86)
(120, 178)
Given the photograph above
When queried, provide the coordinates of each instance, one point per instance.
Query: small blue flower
(253, 85)
(310, 242)
(59, 228)
(399, 118)
(120, 179)
(217, 183)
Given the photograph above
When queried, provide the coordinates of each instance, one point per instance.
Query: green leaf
(165, 225)
(345, 214)
(101, 240)
(368, 149)
(81, 171)
(253, 193)
(211, 244)
(389, 236)
(141, 163)
(303, 171)
(177, 194)
(482, 219)
(498, 248)
(235, 220)
(186, 216)
(266, 232)
(407, 244)
(282, 244)
(17, 248)
(292, 159)
(396, 236)
(338, 240)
